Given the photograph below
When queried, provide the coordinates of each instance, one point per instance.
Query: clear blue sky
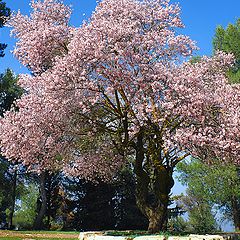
(200, 17)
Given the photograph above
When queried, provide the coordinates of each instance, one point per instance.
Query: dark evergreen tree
(128, 216)
(5, 196)
(4, 14)
(102, 206)
(9, 90)
(92, 205)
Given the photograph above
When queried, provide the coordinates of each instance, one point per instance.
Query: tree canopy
(217, 185)
(228, 40)
(119, 87)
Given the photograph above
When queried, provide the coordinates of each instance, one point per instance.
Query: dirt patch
(37, 235)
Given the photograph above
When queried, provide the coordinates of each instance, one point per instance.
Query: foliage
(200, 216)
(4, 14)
(26, 210)
(77, 204)
(228, 41)
(103, 206)
(127, 214)
(5, 196)
(11, 188)
(218, 185)
(9, 90)
(178, 224)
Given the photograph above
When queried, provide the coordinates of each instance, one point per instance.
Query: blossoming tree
(118, 88)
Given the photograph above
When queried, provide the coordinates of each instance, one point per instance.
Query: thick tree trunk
(38, 224)
(10, 223)
(157, 220)
(48, 190)
(152, 190)
(156, 211)
(236, 212)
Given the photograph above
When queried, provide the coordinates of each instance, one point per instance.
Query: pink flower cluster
(42, 36)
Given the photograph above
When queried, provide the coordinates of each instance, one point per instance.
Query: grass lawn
(38, 235)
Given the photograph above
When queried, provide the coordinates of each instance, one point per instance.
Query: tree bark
(152, 189)
(156, 210)
(157, 220)
(38, 223)
(10, 223)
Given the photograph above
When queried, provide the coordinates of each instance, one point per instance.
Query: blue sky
(200, 17)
